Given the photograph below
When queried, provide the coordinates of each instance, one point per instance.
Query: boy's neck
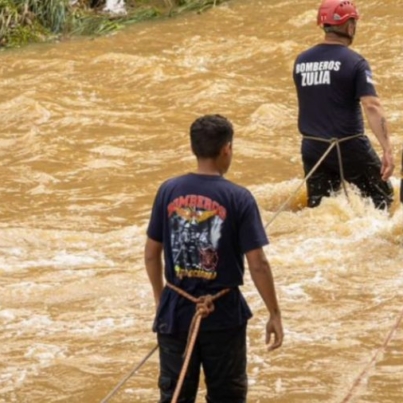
(208, 167)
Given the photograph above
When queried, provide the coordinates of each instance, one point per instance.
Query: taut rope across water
(351, 393)
(132, 372)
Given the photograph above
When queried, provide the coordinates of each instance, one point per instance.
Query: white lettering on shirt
(316, 73)
(315, 78)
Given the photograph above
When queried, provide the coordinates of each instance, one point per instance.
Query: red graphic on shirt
(195, 224)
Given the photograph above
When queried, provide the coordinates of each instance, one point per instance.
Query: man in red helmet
(332, 83)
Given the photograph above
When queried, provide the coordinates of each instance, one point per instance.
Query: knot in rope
(205, 306)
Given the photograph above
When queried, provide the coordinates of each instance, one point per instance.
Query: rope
(333, 142)
(284, 205)
(364, 372)
(133, 371)
(204, 306)
(337, 141)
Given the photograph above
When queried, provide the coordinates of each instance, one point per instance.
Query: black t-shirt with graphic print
(206, 224)
(330, 80)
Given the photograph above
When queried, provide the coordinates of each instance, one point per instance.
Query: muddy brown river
(90, 127)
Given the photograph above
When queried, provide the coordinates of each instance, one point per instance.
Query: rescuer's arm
(377, 122)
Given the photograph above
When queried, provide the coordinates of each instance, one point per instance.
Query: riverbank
(29, 21)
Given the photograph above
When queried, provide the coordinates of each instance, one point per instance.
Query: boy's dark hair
(208, 134)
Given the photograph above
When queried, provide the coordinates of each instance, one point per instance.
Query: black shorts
(221, 354)
(363, 173)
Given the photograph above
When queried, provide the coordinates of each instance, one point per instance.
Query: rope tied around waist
(204, 307)
(333, 139)
(200, 299)
(333, 142)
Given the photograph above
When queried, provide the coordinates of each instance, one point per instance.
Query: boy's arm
(153, 263)
(263, 279)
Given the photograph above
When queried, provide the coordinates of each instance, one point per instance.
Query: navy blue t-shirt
(206, 225)
(330, 80)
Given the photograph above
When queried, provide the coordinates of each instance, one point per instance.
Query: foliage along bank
(32, 21)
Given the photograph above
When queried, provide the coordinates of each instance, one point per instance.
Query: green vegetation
(28, 21)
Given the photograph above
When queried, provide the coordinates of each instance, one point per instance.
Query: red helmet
(336, 12)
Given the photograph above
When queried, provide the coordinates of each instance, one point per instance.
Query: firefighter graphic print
(196, 223)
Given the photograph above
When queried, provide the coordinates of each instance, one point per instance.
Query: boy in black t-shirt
(204, 225)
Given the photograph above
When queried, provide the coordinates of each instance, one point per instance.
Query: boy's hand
(274, 327)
